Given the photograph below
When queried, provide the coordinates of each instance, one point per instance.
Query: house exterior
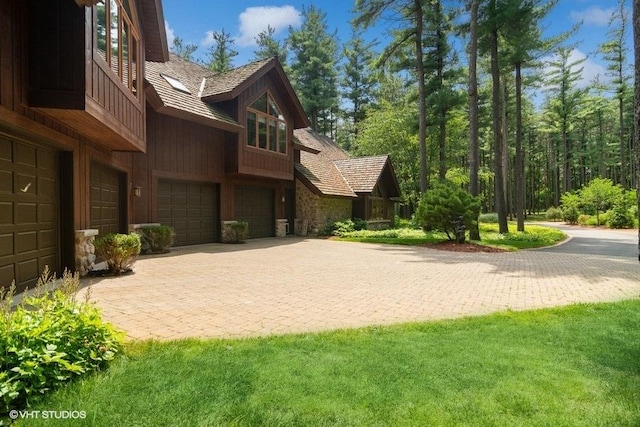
(72, 112)
(220, 149)
(332, 186)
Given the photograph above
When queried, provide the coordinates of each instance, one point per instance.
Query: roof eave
(155, 34)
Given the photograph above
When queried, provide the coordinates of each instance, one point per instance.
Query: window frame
(124, 17)
(267, 119)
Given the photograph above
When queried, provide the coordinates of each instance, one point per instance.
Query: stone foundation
(85, 251)
(228, 233)
(318, 211)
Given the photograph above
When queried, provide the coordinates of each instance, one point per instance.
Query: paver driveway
(288, 285)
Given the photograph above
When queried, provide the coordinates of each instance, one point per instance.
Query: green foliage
(49, 339)
(120, 251)
(600, 193)
(621, 216)
(238, 231)
(554, 214)
(221, 53)
(184, 51)
(489, 218)
(156, 239)
(570, 214)
(584, 219)
(268, 46)
(443, 204)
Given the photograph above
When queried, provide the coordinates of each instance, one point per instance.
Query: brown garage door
(106, 200)
(191, 208)
(256, 206)
(29, 230)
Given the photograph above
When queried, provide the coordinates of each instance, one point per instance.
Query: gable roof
(205, 88)
(329, 170)
(228, 85)
(167, 99)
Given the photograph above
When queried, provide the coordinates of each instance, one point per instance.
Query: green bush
(554, 214)
(359, 224)
(156, 238)
(443, 204)
(584, 219)
(488, 218)
(120, 251)
(238, 232)
(620, 216)
(49, 339)
(570, 214)
(338, 228)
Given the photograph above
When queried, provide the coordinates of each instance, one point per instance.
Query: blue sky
(193, 20)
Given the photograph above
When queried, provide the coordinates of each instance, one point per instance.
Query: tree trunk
(422, 99)
(636, 121)
(500, 203)
(474, 187)
(519, 153)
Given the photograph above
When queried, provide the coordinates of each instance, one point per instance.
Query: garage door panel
(106, 200)
(26, 213)
(256, 206)
(6, 182)
(6, 244)
(29, 217)
(191, 209)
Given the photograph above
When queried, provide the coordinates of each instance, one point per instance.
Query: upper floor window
(118, 40)
(266, 127)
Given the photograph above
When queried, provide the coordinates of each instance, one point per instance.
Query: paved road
(592, 241)
(295, 285)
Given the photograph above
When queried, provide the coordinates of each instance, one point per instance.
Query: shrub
(339, 228)
(620, 216)
(238, 231)
(120, 251)
(488, 218)
(554, 214)
(443, 204)
(584, 219)
(49, 339)
(570, 214)
(156, 239)
(359, 224)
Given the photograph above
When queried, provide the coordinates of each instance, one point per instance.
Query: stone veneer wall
(319, 210)
(85, 251)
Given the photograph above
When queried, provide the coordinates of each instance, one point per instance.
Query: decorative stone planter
(85, 251)
(378, 224)
(282, 227)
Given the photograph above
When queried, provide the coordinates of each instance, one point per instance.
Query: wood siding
(256, 161)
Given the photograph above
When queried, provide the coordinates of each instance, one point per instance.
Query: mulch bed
(462, 247)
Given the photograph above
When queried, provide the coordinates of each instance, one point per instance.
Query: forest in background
(466, 90)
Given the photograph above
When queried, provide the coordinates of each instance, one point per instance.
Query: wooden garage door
(106, 201)
(191, 208)
(29, 230)
(256, 206)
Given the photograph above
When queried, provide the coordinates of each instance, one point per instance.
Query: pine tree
(221, 53)
(474, 185)
(184, 51)
(269, 47)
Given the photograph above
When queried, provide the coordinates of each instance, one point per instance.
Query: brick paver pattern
(296, 285)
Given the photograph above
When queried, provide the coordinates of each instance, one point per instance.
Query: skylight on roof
(176, 84)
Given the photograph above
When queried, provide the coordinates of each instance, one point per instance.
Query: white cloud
(171, 35)
(593, 16)
(256, 19)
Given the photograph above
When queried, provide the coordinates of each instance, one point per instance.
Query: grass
(534, 236)
(578, 365)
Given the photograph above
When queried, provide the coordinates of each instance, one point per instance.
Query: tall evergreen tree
(474, 184)
(411, 14)
(221, 53)
(184, 51)
(313, 67)
(614, 51)
(358, 81)
(636, 121)
(269, 46)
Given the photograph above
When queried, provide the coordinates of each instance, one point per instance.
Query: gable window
(118, 40)
(266, 126)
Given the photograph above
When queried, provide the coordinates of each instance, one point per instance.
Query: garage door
(191, 208)
(256, 206)
(106, 201)
(29, 237)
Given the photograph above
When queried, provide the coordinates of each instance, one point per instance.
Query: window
(118, 40)
(266, 126)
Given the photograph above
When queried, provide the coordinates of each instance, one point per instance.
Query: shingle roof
(332, 171)
(362, 173)
(191, 75)
(227, 82)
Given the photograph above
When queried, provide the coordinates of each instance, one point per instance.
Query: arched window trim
(259, 123)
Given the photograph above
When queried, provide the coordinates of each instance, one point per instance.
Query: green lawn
(578, 365)
(534, 236)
